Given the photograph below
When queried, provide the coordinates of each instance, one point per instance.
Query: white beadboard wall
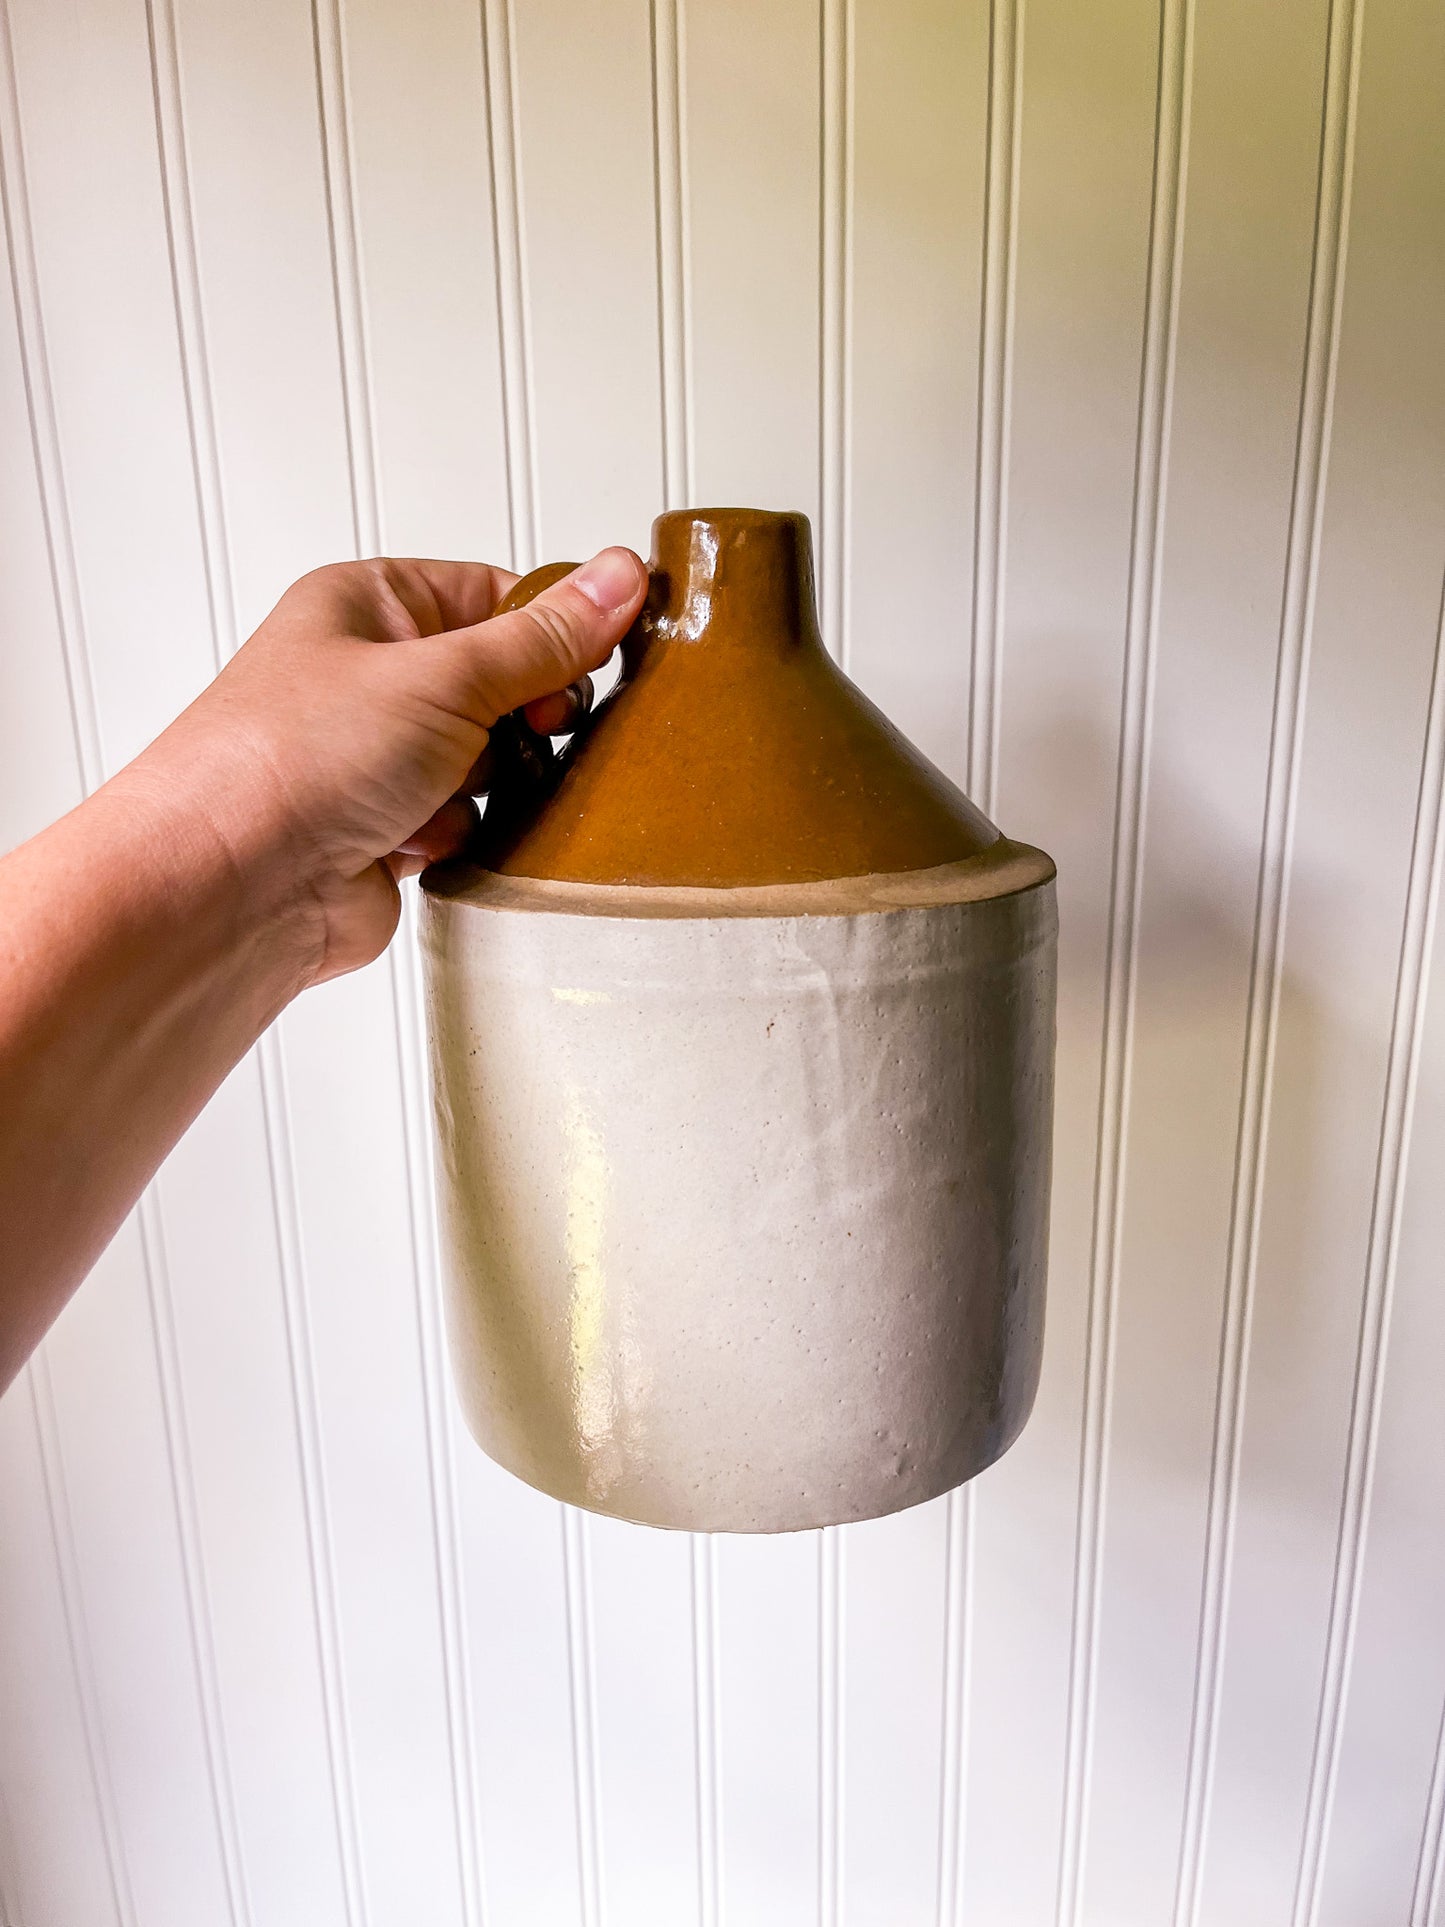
(1104, 345)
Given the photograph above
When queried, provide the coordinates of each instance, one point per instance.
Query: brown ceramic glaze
(733, 751)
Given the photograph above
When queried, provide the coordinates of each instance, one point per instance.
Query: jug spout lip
(733, 517)
(733, 576)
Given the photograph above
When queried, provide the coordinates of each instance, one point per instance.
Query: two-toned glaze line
(1336, 164)
(990, 535)
(1156, 387)
(86, 741)
(367, 522)
(1407, 1028)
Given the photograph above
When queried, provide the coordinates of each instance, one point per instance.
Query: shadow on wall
(1195, 939)
(1316, 1175)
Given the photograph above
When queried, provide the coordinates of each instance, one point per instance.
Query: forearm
(150, 937)
(141, 954)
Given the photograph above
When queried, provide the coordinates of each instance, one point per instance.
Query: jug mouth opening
(734, 517)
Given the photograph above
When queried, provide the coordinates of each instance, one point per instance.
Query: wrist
(210, 853)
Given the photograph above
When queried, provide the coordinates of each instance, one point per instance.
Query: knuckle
(556, 629)
(333, 584)
(330, 575)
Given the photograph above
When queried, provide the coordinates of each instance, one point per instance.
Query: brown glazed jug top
(732, 750)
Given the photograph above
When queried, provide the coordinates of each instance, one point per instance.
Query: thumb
(566, 630)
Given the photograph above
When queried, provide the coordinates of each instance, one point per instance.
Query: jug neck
(733, 579)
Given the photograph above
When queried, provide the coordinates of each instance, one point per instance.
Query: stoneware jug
(742, 1036)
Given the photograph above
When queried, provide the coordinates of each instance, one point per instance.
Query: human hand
(339, 748)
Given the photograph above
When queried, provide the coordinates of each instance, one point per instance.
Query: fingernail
(610, 580)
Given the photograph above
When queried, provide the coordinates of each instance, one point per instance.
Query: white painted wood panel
(1103, 347)
(1087, 91)
(1243, 276)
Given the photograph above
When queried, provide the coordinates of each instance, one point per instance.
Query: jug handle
(524, 765)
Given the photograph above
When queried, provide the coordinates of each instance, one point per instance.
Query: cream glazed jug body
(742, 1032)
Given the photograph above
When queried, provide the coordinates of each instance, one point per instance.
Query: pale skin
(149, 937)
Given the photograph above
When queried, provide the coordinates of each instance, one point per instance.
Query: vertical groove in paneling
(82, 1661)
(673, 292)
(835, 228)
(708, 1727)
(967, 1520)
(514, 335)
(835, 370)
(85, 736)
(353, 360)
(1429, 1887)
(85, 732)
(832, 1573)
(675, 372)
(190, 330)
(44, 430)
(1392, 1165)
(341, 228)
(990, 513)
(205, 462)
(990, 531)
(437, 1415)
(9, 1906)
(1337, 137)
(363, 471)
(509, 250)
(193, 1570)
(577, 1580)
(1146, 538)
(835, 214)
(306, 1419)
(957, 1656)
(185, 287)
